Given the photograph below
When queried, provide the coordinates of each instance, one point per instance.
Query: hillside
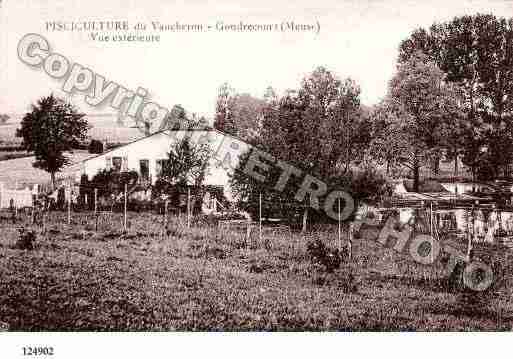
(103, 128)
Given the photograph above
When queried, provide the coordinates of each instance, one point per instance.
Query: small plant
(321, 254)
(216, 252)
(259, 265)
(26, 239)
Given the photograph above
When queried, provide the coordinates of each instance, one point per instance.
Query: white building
(146, 156)
(16, 197)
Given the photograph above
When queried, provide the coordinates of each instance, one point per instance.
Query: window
(116, 163)
(144, 169)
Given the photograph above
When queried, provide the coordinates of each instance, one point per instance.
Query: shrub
(111, 182)
(138, 205)
(95, 146)
(328, 257)
(370, 186)
(4, 118)
(363, 184)
(26, 240)
(259, 267)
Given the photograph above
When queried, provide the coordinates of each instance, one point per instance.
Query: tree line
(450, 98)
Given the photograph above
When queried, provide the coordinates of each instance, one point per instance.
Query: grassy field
(207, 279)
(103, 128)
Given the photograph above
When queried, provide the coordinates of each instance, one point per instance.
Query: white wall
(156, 147)
(463, 187)
(21, 198)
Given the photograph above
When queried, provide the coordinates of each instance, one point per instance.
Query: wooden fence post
(431, 230)
(68, 193)
(95, 200)
(69, 210)
(125, 207)
(260, 217)
(350, 234)
(339, 229)
(188, 207)
(248, 230)
(471, 233)
(96, 208)
(165, 215)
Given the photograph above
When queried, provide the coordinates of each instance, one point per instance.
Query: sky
(357, 39)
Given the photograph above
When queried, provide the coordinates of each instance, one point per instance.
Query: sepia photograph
(237, 167)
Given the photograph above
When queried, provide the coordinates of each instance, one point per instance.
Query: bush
(111, 182)
(363, 184)
(26, 240)
(95, 147)
(137, 205)
(370, 186)
(328, 257)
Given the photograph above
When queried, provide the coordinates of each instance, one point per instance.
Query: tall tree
(414, 117)
(223, 120)
(187, 163)
(247, 114)
(475, 52)
(186, 167)
(176, 118)
(240, 114)
(315, 128)
(52, 128)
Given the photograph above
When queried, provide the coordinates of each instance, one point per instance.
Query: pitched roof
(145, 137)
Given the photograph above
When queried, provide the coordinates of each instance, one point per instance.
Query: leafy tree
(415, 115)
(49, 130)
(187, 163)
(176, 118)
(247, 112)
(223, 120)
(274, 204)
(384, 128)
(112, 182)
(270, 95)
(369, 185)
(240, 114)
(187, 166)
(197, 122)
(476, 53)
(4, 118)
(317, 129)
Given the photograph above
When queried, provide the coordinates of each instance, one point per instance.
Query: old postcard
(238, 166)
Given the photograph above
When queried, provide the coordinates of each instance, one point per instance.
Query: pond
(484, 224)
